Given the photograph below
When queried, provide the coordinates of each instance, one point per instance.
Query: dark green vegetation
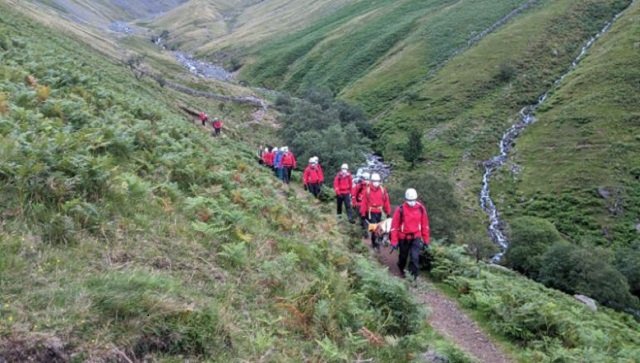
(322, 126)
(547, 325)
(538, 250)
(128, 232)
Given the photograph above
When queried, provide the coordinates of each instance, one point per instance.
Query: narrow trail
(447, 318)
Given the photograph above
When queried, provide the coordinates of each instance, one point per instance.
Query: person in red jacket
(410, 231)
(356, 197)
(288, 164)
(217, 126)
(313, 177)
(265, 156)
(375, 200)
(342, 184)
(204, 118)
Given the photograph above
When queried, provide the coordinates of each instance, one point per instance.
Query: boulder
(589, 302)
(433, 357)
(604, 192)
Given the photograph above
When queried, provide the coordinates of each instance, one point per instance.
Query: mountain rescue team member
(204, 118)
(356, 197)
(267, 158)
(313, 177)
(375, 200)
(342, 185)
(276, 155)
(277, 162)
(409, 231)
(217, 126)
(288, 164)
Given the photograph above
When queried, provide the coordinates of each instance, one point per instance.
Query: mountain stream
(526, 117)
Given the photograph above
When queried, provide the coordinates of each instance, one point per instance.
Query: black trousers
(314, 188)
(410, 248)
(346, 200)
(286, 174)
(373, 218)
(216, 132)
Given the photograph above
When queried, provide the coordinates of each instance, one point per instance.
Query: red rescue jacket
(342, 183)
(288, 160)
(203, 116)
(267, 158)
(410, 222)
(312, 175)
(357, 193)
(217, 124)
(375, 200)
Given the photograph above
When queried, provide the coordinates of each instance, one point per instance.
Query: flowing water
(525, 118)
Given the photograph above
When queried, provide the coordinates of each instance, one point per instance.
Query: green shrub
(389, 298)
(321, 126)
(627, 261)
(586, 271)
(529, 239)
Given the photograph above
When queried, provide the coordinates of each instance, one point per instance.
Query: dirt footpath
(447, 318)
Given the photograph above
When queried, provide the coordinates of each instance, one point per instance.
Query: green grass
(586, 137)
(126, 230)
(367, 40)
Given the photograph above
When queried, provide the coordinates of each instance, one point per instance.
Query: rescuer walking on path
(277, 162)
(410, 232)
(217, 126)
(204, 118)
(313, 177)
(288, 164)
(356, 197)
(342, 184)
(374, 201)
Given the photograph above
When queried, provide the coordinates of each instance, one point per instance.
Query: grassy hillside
(383, 47)
(467, 105)
(223, 26)
(127, 233)
(587, 139)
(103, 12)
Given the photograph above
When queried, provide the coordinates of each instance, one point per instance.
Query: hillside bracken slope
(128, 233)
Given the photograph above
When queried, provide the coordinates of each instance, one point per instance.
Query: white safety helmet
(366, 176)
(375, 177)
(344, 167)
(411, 194)
(312, 160)
(285, 148)
(315, 159)
(266, 149)
(274, 149)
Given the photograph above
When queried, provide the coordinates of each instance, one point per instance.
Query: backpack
(401, 210)
(384, 192)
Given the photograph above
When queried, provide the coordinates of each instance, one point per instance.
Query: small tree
(588, 271)
(413, 148)
(530, 238)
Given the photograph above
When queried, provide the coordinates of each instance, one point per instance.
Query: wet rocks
(203, 69)
(120, 27)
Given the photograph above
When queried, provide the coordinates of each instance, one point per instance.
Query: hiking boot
(414, 281)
